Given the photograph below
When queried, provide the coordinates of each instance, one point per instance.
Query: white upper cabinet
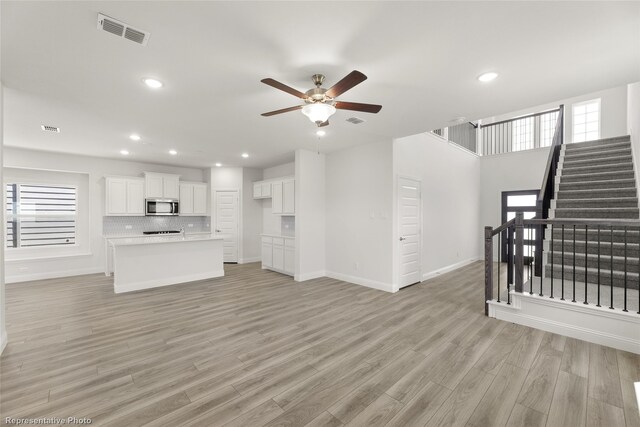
(161, 186)
(280, 191)
(193, 198)
(124, 196)
(262, 190)
(288, 197)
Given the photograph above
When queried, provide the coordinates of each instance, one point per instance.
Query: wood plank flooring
(257, 349)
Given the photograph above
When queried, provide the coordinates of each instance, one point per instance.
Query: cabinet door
(257, 190)
(170, 187)
(289, 197)
(278, 257)
(276, 197)
(267, 254)
(116, 191)
(266, 190)
(135, 197)
(153, 186)
(186, 199)
(200, 199)
(289, 260)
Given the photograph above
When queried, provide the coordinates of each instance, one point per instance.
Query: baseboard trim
(3, 341)
(55, 275)
(309, 276)
(381, 286)
(138, 286)
(448, 268)
(613, 329)
(249, 260)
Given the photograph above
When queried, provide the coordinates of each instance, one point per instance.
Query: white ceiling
(422, 60)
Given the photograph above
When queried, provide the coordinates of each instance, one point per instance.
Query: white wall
(96, 169)
(251, 217)
(633, 123)
(3, 329)
(450, 176)
(310, 215)
(359, 214)
(613, 112)
(520, 170)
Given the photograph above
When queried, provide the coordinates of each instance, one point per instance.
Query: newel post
(488, 268)
(519, 252)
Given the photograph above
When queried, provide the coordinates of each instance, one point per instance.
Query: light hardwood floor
(257, 349)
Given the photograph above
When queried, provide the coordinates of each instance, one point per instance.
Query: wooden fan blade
(284, 110)
(284, 87)
(350, 80)
(355, 106)
(323, 124)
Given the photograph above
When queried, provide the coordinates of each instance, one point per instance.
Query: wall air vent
(355, 120)
(121, 29)
(48, 128)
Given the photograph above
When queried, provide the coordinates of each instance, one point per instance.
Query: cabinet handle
(403, 238)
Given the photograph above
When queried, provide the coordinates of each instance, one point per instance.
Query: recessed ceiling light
(320, 133)
(487, 77)
(124, 152)
(173, 152)
(245, 155)
(134, 137)
(218, 164)
(152, 83)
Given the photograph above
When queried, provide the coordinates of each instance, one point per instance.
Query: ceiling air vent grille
(121, 29)
(355, 120)
(48, 128)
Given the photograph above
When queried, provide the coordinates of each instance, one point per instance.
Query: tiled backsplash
(131, 225)
(288, 226)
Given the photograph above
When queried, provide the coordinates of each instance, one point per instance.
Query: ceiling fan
(320, 103)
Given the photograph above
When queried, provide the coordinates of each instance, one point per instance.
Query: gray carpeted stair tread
(598, 142)
(602, 184)
(597, 154)
(598, 176)
(596, 193)
(592, 277)
(632, 249)
(603, 202)
(578, 148)
(618, 167)
(597, 161)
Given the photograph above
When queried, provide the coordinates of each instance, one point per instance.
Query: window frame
(573, 116)
(505, 209)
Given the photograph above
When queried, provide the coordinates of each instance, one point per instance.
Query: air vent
(48, 128)
(355, 120)
(121, 29)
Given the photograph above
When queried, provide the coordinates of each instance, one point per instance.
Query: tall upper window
(586, 120)
(40, 215)
(522, 134)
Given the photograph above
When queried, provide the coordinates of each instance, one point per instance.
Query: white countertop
(277, 235)
(155, 239)
(139, 235)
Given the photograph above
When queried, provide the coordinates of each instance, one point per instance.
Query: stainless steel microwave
(164, 207)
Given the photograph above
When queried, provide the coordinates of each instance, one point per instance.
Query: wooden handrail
(557, 141)
(503, 227)
(520, 117)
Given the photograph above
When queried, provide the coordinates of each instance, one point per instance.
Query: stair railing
(606, 274)
(547, 191)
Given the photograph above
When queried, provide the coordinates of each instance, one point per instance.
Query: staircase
(595, 181)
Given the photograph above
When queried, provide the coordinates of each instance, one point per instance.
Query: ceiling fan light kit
(320, 102)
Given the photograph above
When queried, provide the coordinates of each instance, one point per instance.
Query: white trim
(3, 341)
(387, 287)
(597, 325)
(250, 260)
(41, 258)
(17, 278)
(304, 277)
(137, 286)
(448, 268)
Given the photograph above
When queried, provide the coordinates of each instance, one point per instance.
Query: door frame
(214, 218)
(396, 230)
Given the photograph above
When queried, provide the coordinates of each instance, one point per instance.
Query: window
(522, 134)
(548, 123)
(40, 215)
(525, 202)
(586, 121)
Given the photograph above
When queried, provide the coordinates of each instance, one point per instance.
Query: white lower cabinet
(278, 254)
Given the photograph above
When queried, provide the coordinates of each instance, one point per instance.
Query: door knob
(403, 238)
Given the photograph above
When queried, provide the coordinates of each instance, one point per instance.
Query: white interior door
(226, 225)
(409, 231)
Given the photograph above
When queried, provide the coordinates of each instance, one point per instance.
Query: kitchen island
(153, 261)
